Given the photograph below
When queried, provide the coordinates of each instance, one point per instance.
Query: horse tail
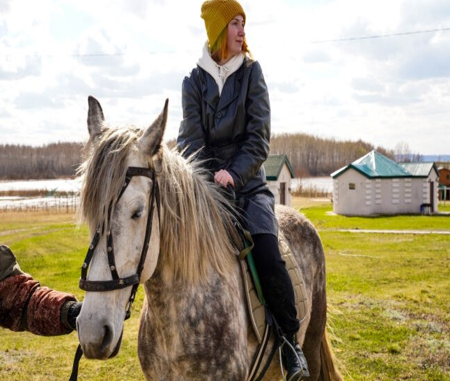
(328, 371)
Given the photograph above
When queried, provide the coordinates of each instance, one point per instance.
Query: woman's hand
(223, 178)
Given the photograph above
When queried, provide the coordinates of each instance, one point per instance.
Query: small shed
(444, 183)
(375, 184)
(279, 173)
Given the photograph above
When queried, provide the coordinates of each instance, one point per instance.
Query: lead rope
(79, 351)
(76, 363)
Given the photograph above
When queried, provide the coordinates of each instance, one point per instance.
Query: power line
(83, 55)
(95, 54)
(347, 39)
(380, 36)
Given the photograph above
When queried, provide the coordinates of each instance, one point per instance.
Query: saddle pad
(256, 309)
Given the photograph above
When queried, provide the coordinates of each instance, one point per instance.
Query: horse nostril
(107, 337)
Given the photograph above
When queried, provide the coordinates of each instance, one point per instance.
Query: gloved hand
(69, 313)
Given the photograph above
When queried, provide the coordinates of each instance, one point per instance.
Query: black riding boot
(294, 360)
(275, 282)
(280, 297)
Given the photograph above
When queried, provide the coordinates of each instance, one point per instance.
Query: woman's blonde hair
(219, 50)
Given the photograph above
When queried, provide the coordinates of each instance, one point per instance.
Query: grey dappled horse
(194, 323)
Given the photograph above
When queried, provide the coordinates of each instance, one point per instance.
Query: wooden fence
(60, 204)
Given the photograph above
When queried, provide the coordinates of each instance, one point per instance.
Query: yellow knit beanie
(217, 15)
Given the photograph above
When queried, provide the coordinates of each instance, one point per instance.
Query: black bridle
(117, 282)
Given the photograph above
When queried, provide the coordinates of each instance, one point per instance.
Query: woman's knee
(266, 254)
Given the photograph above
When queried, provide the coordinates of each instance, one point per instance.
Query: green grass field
(388, 295)
(388, 298)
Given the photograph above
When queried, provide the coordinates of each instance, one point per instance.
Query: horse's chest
(197, 336)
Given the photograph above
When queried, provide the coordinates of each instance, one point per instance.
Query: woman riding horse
(226, 123)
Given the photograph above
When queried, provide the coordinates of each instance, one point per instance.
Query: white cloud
(132, 55)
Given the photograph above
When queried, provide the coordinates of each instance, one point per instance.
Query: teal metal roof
(420, 169)
(274, 164)
(376, 165)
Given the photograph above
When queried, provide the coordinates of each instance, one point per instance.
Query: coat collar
(220, 73)
(230, 91)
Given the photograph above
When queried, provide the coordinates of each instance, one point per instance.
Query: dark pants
(275, 282)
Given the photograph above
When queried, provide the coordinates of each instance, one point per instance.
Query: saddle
(256, 309)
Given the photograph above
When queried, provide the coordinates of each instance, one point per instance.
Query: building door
(283, 193)
(432, 196)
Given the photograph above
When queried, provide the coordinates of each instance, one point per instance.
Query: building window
(351, 186)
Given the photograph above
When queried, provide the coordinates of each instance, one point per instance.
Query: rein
(117, 282)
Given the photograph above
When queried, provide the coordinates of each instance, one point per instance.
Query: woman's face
(235, 36)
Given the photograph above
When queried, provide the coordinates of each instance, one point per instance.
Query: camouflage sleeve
(43, 316)
(24, 305)
(15, 292)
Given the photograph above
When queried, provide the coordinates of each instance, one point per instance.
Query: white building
(279, 173)
(375, 184)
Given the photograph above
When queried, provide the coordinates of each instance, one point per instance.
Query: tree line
(309, 156)
(313, 156)
(55, 160)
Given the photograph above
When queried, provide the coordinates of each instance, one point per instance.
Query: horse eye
(138, 214)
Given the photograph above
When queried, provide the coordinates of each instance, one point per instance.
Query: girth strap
(270, 328)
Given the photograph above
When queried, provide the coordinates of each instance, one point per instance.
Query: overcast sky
(345, 69)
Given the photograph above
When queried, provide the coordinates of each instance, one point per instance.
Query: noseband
(117, 282)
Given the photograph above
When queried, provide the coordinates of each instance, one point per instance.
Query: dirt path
(445, 232)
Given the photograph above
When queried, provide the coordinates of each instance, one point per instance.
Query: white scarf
(220, 73)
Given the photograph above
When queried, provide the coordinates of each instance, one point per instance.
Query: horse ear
(95, 118)
(150, 142)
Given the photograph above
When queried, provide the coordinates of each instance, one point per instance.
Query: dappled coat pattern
(194, 324)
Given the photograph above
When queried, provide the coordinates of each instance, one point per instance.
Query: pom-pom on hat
(217, 15)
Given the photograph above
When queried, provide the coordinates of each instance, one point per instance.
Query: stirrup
(303, 365)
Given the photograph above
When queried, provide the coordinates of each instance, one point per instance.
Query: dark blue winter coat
(232, 132)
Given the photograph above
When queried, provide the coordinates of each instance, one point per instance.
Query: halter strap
(118, 283)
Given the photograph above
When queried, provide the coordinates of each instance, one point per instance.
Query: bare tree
(43, 162)
(309, 156)
(313, 156)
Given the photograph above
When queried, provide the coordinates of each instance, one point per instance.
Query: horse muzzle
(100, 344)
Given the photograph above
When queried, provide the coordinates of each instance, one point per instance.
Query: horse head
(119, 201)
